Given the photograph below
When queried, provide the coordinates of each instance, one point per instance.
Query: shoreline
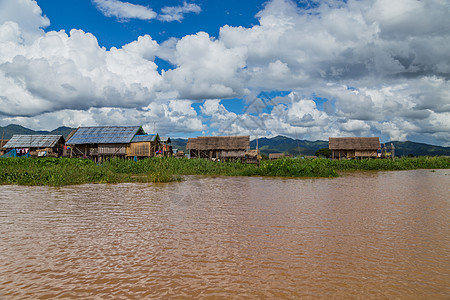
(73, 171)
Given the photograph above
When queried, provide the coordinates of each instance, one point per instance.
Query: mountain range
(282, 144)
(278, 144)
(8, 131)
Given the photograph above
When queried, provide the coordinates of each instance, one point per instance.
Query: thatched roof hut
(219, 142)
(218, 147)
(356, 143)
(354, 147)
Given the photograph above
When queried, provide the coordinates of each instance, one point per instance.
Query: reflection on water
(363, 235)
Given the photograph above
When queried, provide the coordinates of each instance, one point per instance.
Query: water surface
(363, 235)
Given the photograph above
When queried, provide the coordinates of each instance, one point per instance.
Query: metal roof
(104, 135)
(33, 141)
(145, 138)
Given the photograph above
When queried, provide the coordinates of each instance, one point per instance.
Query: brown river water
(374, 235)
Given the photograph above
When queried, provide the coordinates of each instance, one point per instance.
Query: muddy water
(364, 235)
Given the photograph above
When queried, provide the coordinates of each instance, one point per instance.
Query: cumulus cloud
(168, 118)
(124, 11)
(61, 71)
(206, 69)
(176, 13)
(383, 69)
(378, 62)
(24, 19)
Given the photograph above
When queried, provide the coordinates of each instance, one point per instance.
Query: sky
(305, 69)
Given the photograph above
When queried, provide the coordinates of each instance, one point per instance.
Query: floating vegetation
(69, 171)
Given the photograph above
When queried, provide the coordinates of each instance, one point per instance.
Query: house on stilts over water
(221, 148)
(102, 142)
(34, 145)
(354, 147)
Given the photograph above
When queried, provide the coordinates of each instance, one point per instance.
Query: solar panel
(104, 135)
(144, 138)
(33, 141)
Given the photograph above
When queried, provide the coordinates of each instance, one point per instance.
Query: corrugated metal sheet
(104, 135)
(144, 138)
(354, 143)
(33, 141)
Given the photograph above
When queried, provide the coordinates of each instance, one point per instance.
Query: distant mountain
(8, 131)
(179, 144)
(419, 149)
(282, 144)
(278, 144)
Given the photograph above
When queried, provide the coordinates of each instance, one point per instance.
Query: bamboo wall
(338, 154)
(141, 149)
(112, 149)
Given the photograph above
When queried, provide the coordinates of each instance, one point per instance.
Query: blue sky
(84, 15)
(307, 69)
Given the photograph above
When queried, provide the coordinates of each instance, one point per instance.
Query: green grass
(69, 171)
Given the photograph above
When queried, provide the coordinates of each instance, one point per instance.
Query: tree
(323, 152)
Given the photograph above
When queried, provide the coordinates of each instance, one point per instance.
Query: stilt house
(35, 145)
(354, 147)
(221, 148)
(145, 145)
(99, 143)
(274, 156)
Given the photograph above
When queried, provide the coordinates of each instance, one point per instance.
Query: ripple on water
(363, 235)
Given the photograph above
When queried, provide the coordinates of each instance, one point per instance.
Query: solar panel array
(33, 141)
(145, 138)
(103, 135)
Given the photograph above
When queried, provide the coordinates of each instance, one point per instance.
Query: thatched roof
(354, 143)
(219, 143)
(276, 155)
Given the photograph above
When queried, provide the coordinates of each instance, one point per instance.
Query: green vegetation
(323, 152)
(404, 163)
(67, 171)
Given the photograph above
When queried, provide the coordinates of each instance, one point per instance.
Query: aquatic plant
(67, 171)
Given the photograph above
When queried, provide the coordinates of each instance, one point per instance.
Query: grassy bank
(66, 171)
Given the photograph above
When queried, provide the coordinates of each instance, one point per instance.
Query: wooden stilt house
(222, 148)
(35, 145)
(354, 147)
(144, 145)
(102, 142)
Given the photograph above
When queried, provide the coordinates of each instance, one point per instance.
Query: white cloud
(384, 68)
(28, 17)
(124, 11)
(168, 118)
(176, 13)
(78, 74)
(206, 69)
